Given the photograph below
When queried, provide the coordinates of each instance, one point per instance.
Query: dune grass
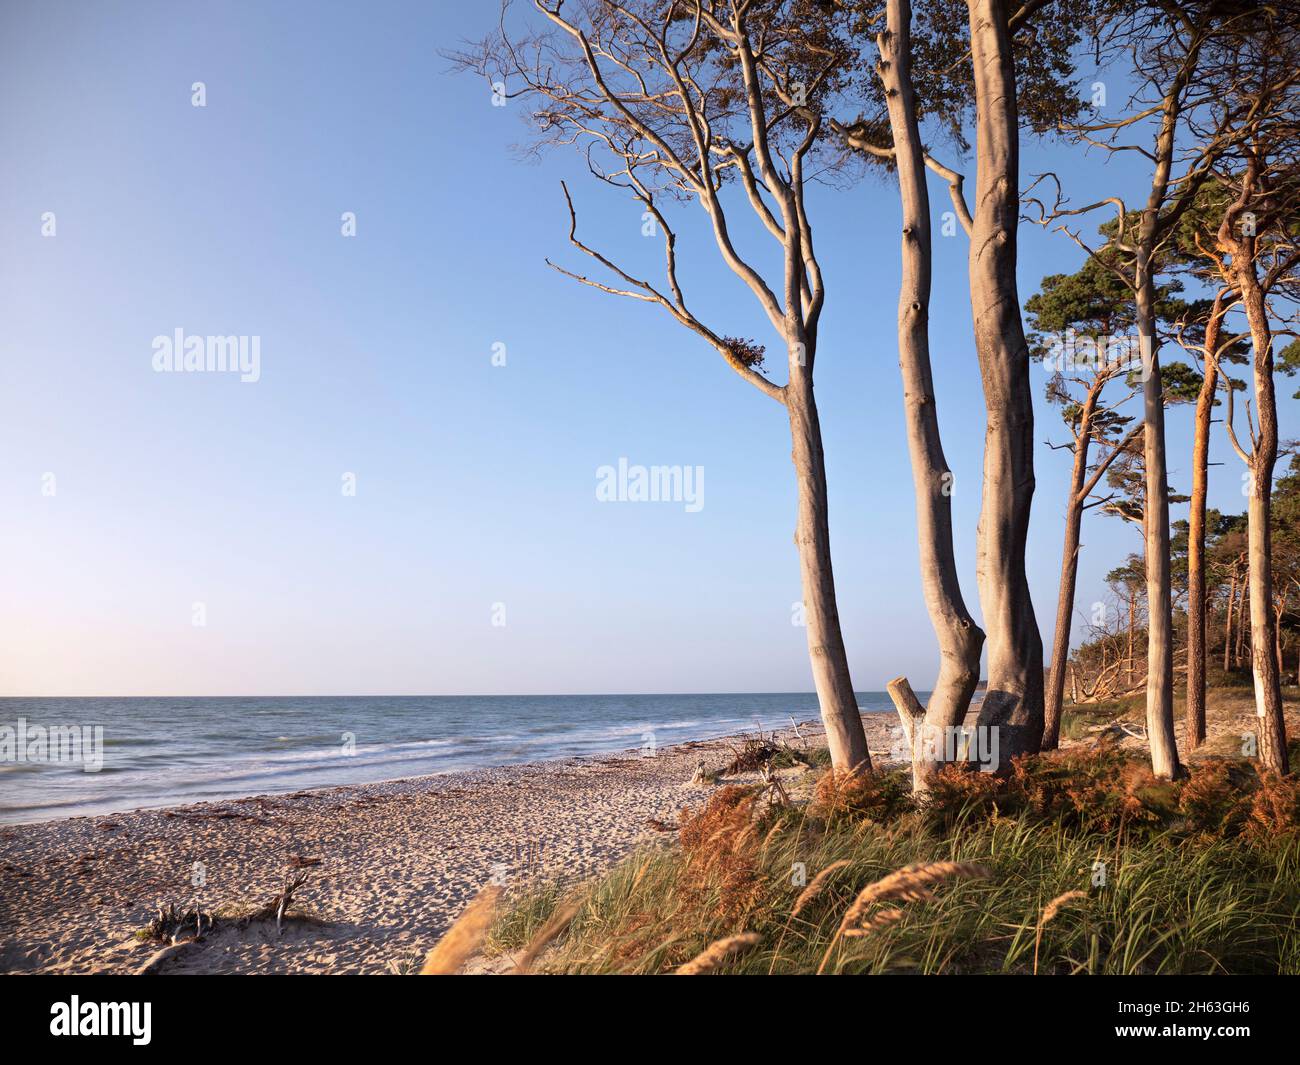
(1201, 876)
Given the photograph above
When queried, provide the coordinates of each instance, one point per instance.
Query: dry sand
(399, 860)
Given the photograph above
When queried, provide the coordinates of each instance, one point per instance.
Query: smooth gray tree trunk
(1014, 701)
(830, 665)
(960, 640)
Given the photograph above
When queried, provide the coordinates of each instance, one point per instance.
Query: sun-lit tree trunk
(1238, 244)
(1278, 610)
(1260, 461)
(1227, 622)
(1196, 620)
(1014, 701)
(830, 664)
(1132, 632)
(1160, 624)
(639, 89)
(1065, 593)
(1243, 603)
(960, 639)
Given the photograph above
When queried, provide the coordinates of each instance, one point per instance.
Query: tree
(925, 75)
(1286, 556)
(1083, 326)
(1200, 332)
(688, 101)
(960, 639)
(1095, 304)
(1014, 701)
(1005, 70)
(1226, 561)
(1170, 47)
(1215, 349)
(1255, 250)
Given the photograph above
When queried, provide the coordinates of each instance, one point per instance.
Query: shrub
(1274, 809)
(720, 844)
(875, 797)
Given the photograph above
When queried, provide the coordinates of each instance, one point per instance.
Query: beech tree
(711, 102)
(929, 72)
(1014, 700)
(960, 640)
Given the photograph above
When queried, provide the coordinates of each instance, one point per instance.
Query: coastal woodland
(1151, 724)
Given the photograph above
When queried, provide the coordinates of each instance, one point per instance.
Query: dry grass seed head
(912, 883)
(465, 936)
(809, 894)
(717, 952)
(1057, 904)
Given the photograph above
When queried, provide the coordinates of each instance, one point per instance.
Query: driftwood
(910, 711)
(755, 754)
(171, 921)
(776, 793)
(278, 905)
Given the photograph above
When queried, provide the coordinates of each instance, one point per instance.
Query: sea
(106, 755)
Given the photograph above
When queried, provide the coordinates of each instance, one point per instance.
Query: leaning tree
(717, 103)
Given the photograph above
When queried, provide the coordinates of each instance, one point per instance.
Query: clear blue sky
(475, 483)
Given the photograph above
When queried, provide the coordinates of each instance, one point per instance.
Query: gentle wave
(161, 751)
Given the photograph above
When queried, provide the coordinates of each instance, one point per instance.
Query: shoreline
(398, 859)
(179, 801)
(146, 762)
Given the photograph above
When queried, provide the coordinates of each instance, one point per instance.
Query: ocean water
(165, 751)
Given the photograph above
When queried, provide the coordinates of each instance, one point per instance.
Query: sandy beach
(397, 861)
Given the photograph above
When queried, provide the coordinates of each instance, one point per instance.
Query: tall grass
(1197, 877)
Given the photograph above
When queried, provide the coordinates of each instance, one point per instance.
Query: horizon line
(430, 695)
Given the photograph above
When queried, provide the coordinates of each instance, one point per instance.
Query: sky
(386, 509)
